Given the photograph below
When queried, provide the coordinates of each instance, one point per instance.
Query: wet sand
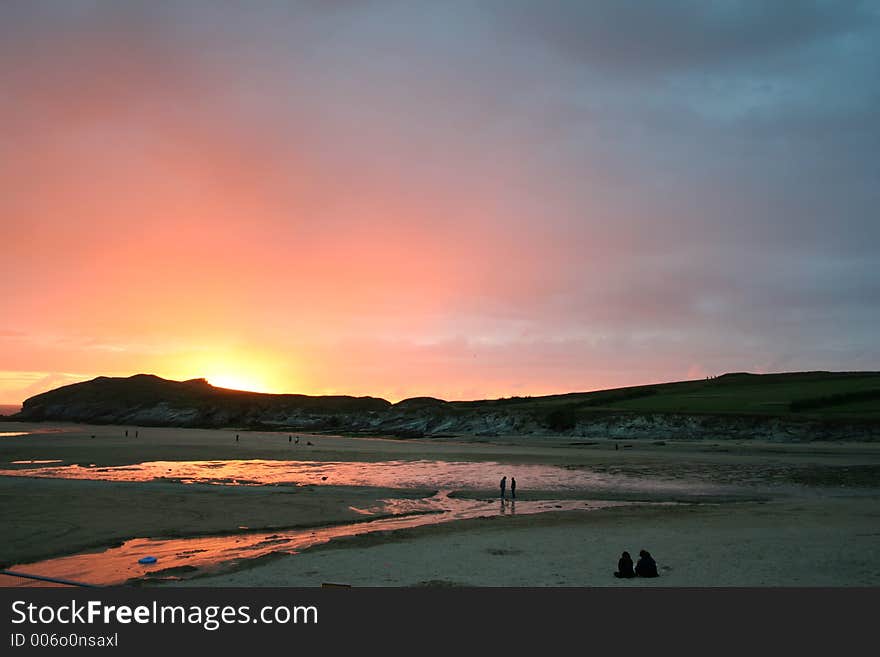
(825, 543)
(817, 525)
(44, 518)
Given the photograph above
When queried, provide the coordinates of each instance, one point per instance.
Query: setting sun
(235, 367)
(237, 382)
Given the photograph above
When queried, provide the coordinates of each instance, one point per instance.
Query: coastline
(815, 505)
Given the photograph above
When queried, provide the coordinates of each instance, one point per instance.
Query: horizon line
(531, 396)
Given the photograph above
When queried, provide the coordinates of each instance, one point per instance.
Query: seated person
(646, 567)
(625, 566)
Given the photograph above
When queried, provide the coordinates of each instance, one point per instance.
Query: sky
(463, 199)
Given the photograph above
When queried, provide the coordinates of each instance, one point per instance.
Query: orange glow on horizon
(237, 382)
(235, 369)
(328, 226)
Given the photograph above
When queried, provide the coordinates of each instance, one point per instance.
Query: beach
(712, 512)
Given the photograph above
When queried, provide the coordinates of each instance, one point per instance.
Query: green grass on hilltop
(845, 395)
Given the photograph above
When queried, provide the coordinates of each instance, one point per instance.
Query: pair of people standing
(646, 567)
(512, 487)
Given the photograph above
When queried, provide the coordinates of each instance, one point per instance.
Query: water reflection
(384, 474)
(32, 462)
(184, 557)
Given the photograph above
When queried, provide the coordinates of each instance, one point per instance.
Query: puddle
(185, 557)
(437, 475)
(36, 462)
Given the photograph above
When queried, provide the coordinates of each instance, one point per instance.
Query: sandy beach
(740, 513)
(828, 543)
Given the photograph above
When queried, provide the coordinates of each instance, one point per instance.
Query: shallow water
(32, 462)
(185, 557)
(440, 475)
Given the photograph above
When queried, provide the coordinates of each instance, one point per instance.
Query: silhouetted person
(512, 487)
(625, 566)
(126, 433)
(236, 437)
(503, 485)
(297, 441)
(136, 434)
(289, 438)
(646, 567)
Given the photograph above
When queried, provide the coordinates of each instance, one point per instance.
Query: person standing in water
(503, 486)
(513, 488)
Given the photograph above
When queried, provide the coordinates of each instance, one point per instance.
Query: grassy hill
(801, 398)
(108, 399)
(849, 395)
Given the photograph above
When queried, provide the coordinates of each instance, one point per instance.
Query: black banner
(341, 618)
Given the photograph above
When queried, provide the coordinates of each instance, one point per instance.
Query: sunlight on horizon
(238, 382)
(235, 368)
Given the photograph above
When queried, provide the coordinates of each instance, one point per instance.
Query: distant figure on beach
(503, 486)
(126, 433)
(289, 438)
(646, 567)
(236, 437)
(625, 566)
(297, 441)
(513, 488)
(135, 434)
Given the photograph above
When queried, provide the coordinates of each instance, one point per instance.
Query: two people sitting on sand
(646, 567)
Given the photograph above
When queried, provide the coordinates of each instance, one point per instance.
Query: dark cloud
(630, 36)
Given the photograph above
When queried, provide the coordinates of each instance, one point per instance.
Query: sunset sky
(460, 199)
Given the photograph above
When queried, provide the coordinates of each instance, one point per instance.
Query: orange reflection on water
(32, 462)
(181, 558)
(436, 475)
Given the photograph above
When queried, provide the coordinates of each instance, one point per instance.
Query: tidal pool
(187, 557)
(180, 558)
(438, 475)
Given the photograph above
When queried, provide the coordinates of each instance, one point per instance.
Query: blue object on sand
(147, 560)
